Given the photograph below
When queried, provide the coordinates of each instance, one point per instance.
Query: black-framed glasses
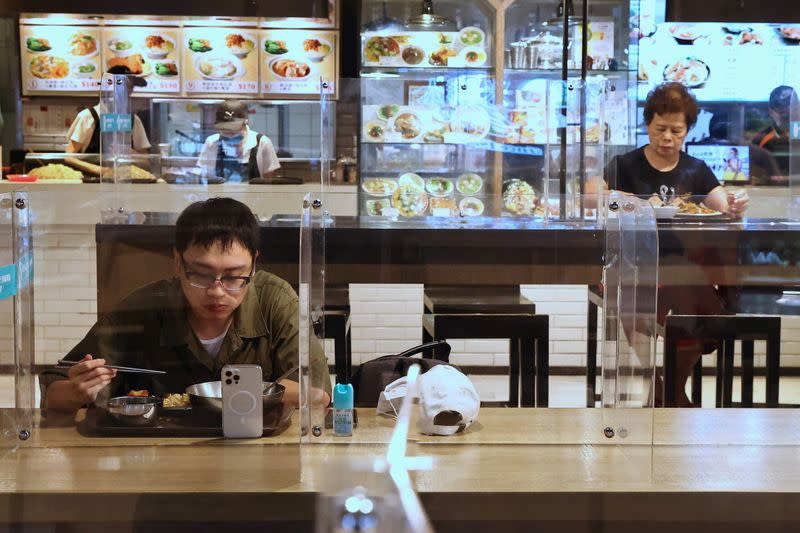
(206, 281)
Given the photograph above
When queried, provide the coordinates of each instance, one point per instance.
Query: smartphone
(242, 405)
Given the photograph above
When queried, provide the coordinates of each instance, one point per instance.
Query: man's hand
(89, 377)
(737, 203)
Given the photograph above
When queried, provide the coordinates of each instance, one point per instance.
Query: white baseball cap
(448, 400)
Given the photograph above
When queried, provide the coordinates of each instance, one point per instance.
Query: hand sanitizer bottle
(343, 410)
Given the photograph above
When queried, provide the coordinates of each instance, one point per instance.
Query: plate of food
(686, 34)
(469, 184)
(374, 131)
(413, 55)
(379, 186)
(408, 125)
(471, 36)
(199, 45)
(473, 56)
(439, 187)
(386, 112)
(790, 34)
(274, 47)
(688, 209)
(690, 71)
(219, 67)
(136, 63)
(317, 49)
(165, 68)
(240, 44)
(289, 69)
(409, 179)
(82, 45)
(49, 67)
(120, 47)
(176, 404)
(158, 46)
(375, 207)
(440, 57)
(37, 45)
(377, 48)
(434, 136)
(519, 197)
(84, 69)
(471, 207)
(410, 201)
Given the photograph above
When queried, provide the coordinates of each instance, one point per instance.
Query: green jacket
(150, 329)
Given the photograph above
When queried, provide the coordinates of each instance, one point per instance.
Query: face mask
(236, 139)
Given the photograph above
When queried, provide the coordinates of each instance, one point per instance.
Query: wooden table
(517, 469)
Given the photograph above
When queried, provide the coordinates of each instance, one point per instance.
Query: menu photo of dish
(296, 61)
(220, 60)
(60, 59)
(151, 53)
(467, 48)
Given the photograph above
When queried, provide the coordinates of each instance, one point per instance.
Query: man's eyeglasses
(205, 281)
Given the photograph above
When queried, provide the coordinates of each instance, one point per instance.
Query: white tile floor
(565, 391)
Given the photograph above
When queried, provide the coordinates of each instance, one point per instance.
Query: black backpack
(372, 376)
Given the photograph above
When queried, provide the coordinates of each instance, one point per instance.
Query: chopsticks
(63, 363)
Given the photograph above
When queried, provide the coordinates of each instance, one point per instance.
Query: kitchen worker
(236, 153)
(775, 138)
(218, 309)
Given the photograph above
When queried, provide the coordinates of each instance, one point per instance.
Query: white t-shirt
(212, 346)
(266, 158)
(83, 126)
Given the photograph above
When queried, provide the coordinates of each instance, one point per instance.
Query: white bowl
(157, 53)
(121, 53)
(666, 211)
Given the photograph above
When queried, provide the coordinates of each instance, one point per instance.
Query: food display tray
(97, 423)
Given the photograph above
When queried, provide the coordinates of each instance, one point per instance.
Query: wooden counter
(711, 470)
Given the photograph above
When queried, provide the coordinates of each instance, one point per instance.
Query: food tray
(97, 423)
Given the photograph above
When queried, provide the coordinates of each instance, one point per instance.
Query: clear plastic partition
(793, 211)
(16, 303)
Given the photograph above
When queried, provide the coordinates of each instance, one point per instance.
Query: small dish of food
(473, 56)
(443, 203)
(49, 67)
(133, 410)
(375, 207)
(408, 125)
(84, 69)
(439, 187)
(275, 48)
(200, 46)
(684, 34)
(471, 207)
(790, 34)
(374, 131)
(219, 67)
(410, 201)
(519, 198)
(689, 71)
(469, 184)
(240, 45)
(410, 179)
(471, 36)
(440, 57)
(37, 45)
(158, 46)
(379, 186)
(665, 211)
(413, 55)
(388, 111)
(317, 49)
(121, 47)
(136, 63)
(289, 69)
(735, 29)
(166, 68)
(176, 404)
(380, 47)
(82, 45)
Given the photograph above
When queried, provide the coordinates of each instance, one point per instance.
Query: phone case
(242, 407)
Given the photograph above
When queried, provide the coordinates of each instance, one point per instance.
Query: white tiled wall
(385, 318)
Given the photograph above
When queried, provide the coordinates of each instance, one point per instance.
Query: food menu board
(152, 53)
(467, 48)
(294, 61)
(720, 61)
(220, 60)
(60, 59)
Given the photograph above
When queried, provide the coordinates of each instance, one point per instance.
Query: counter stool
(476, 312)
(727, 329)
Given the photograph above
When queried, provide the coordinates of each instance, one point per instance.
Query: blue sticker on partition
(116, 122)
(8, 281)
(25, 269)
(794, 129)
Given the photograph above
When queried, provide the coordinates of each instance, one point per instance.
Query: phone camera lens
(228, 381)
(236, 378)
(228, 373)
